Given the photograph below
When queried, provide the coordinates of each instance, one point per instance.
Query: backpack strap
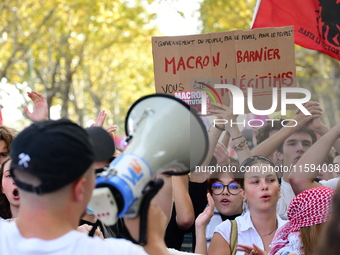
(233, 237)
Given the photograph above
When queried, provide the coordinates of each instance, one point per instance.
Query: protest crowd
(187, 183)
(48, 171)
(190, 180)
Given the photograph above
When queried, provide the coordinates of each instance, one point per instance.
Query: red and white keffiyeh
(311, 207)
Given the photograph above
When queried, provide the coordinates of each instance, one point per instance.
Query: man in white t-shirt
(52, 165)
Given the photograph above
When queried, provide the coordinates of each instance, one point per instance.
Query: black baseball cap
(103, 144)
(57, 152)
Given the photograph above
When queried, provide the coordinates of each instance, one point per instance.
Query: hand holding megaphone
(164, 136)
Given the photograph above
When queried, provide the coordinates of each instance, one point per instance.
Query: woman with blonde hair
(307, 214)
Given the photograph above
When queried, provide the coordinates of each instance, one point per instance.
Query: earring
(244, 206)
(282, 204)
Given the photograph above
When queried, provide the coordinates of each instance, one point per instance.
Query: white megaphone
(165, 135)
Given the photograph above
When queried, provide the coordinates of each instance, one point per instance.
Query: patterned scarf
(311, 207)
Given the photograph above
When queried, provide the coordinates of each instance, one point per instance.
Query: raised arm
(163, 199)
(185, 216)
(225, 114)
(156, 226)
(156, 231)
(267, 147)
(214, 134)
(304, 174)
(201, 224)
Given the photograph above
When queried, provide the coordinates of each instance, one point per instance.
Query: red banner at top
(316, 22)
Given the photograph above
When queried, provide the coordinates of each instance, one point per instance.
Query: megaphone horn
(166, 136)
(166, 133)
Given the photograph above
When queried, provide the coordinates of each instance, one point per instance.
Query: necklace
(271, 231)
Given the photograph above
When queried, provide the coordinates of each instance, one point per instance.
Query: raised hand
(100, 119)
(100, 122)
(85, 228)
(203, 218)
(312, 122)
(111, 129)
(40, 111)
(221, 154)
(250, 250)
(315, 110)
(224, 111)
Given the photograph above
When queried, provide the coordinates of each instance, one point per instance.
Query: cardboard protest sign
(261, 59)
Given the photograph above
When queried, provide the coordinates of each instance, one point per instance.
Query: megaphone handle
(94, 227)
(149, 194)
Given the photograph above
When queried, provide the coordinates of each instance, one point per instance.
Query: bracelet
(213, 134)
(219, 128)
(240, 146)
(245, 147)
(237, 137)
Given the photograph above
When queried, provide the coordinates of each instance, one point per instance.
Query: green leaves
(86, 55)
(219, 15)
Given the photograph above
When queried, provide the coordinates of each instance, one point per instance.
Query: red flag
(316, 22)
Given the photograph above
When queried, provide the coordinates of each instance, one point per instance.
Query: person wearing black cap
(52, 165)
(104, 148)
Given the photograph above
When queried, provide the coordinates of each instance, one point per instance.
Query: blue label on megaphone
(132, 175)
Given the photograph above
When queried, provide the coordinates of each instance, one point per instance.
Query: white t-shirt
(247, 233)
(332, 183)
(72, 243)
(286, 196)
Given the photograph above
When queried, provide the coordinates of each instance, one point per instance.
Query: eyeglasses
(3, 154)
(247, 161)
(218, 188)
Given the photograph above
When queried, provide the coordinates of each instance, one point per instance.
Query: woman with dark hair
(6, 137)
(9, 196)
(260, 189)
(224, 203)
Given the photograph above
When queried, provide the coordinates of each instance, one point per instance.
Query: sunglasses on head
(248, 161)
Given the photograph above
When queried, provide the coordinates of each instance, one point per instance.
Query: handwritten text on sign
(259, 58)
